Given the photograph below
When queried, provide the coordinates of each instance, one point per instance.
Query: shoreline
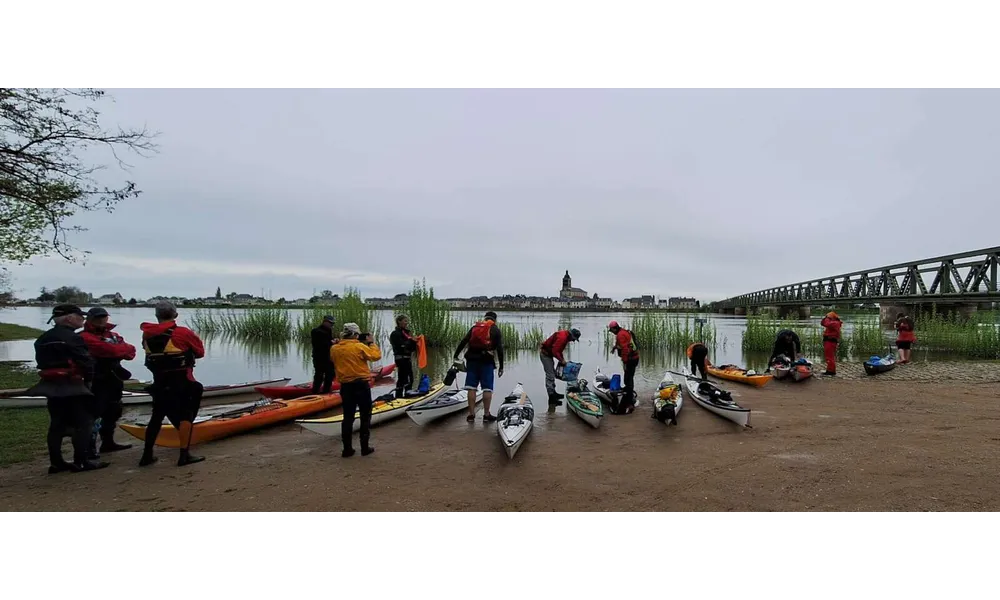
(820, 445)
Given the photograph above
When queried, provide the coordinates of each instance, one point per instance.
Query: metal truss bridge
(969, 277)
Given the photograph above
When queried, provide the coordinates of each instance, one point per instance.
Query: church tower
(567, 281)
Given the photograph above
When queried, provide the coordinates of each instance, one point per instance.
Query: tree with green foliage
(71, 293)
(48, 139)
(132, 302)
(46, 296)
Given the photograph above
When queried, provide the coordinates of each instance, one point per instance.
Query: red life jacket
(480, 338)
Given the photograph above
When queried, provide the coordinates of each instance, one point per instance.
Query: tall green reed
(350, 309)
(251, 323)
(662, 332)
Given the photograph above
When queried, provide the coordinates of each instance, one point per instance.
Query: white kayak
(135, 398)
(667, 400)
(514, 420)
(448, 403)
(602, 389)
(716, 400)
(385, 408)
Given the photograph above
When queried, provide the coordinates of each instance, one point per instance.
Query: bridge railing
(966, 277)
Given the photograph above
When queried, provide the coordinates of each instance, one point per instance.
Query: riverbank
(822, 445)
(10, 332)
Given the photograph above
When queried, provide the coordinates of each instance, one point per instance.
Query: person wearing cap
(171, 352)
(628, 351)
(485, 342)
(322, 341)
(552, 350)
(350, 357)
(831, 338)
(66, 370)
(109, 349)
(404, 344)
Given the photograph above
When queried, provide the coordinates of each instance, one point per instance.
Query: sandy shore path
(820, 445)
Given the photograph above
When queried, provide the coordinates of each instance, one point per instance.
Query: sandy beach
(926, 438)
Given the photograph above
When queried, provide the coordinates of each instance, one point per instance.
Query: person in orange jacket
(831, 337)
(627, 349)
(905, 338)
(109, 349)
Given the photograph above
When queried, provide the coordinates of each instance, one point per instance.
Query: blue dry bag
(425, 384)
(616, 383)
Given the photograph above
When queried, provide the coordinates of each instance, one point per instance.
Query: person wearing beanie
(485, 342)
(404, 344)
(628, 351)
(552, 350)
(322, 341)
(350, 358)
(109, 349)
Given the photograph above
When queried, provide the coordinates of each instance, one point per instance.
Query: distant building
(568, 291)
(115, 298)
(680, 302)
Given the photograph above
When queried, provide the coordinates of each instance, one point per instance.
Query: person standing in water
(109, 350)
(485, 343)
(628, 351)
(698, 354)
(171, 353)
(552, 350)
(404, 344)
(905, 337)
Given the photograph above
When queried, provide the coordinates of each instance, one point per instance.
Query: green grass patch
(432, 318)
(252, 323)
(22, 434)
(10, 332)
(975, 337)
(17, 375)
(350, 309)
(861, 337)
(660, 332)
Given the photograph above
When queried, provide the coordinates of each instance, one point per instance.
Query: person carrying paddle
(552, 350)
(404, 344)
(628, 351)
(171, 353)
(698, 354)
(350, 358)
(66, 370)
(786, 343)
(109, 349)
(831, 337)
(322, 341)
(904, 337)
(485, 345)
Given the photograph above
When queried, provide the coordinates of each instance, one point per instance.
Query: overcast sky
(705, 193)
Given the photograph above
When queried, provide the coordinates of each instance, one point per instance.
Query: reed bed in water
(350, 309)
(252, 323)
(432, 318)
(663, 332)
(976, 337)
(860, 337)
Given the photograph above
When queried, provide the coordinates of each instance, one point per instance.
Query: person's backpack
(479, 337)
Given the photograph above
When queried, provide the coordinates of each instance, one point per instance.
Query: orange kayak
(239, 420)
(739, 375)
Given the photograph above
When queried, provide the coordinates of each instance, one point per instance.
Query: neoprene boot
(186, 458)
(554, 400)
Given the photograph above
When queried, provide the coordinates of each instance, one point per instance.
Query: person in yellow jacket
(350, 361)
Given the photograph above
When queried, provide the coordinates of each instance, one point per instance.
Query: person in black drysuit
(698, 353)
(786, 343)
(322, 341)
(66, 369)
(403, 346)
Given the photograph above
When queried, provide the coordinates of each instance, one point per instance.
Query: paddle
(696, 378)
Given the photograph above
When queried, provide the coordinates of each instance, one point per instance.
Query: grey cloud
(696, 192)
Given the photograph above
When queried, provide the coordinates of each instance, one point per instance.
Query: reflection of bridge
(961, 282)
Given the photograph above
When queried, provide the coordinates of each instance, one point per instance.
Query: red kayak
(288, 392)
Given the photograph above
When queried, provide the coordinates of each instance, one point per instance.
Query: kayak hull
(730, 411)
(287, 392)
(585, 404)
(878, 369)
(666, 409)
(137, 398)
(383, 410)
(738, 377)
(448, 403)
(257, 416)
(515, 418)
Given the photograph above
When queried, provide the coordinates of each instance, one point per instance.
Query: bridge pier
(740, 311)
(964, 310)
(794, 312)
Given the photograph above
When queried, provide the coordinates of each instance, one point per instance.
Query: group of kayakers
(83, 381)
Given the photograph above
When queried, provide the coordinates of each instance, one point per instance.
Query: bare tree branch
(44, 181)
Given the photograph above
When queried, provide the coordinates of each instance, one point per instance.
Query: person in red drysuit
(831, 337)
(905, 337)
(552, 349)
(109, 349)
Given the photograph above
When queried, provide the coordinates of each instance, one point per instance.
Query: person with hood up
(628, 351)
(831, 338)
(66, 370)
(552, 350)
(171, 353)
(108, 349)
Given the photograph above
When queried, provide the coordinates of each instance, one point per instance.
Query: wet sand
(876, 444)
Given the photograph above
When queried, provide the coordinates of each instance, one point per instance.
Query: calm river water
(232, 361)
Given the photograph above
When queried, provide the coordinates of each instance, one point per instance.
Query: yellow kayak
(383, 409)
(739, 375)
